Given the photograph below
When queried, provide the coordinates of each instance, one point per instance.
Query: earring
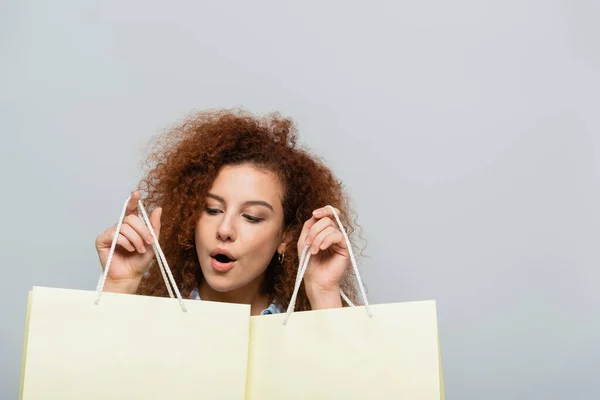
(281, 258)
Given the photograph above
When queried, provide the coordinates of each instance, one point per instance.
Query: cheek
(262, 243)
(200, 233)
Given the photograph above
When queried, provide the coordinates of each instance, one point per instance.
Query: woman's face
(240, 228)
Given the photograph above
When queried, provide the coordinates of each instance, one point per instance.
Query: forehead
(240, 183)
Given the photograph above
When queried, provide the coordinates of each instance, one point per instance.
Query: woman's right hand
(133, 252)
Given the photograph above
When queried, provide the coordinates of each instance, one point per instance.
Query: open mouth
(222, 258)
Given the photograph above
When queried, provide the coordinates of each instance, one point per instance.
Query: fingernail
(314, 250)
(317, 213)
(150, 239)
(143, 250)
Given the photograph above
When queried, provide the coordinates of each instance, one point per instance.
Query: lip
(217, 251)
(221, 267)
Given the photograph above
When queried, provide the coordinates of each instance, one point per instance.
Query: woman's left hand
(329, 259)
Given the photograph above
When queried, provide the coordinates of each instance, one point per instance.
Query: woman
(235, 201)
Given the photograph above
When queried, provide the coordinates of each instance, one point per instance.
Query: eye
(212, 211)
(252, 220)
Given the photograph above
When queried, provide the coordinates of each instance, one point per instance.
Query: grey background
(467, 133)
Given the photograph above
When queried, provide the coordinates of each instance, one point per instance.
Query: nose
(226, 230)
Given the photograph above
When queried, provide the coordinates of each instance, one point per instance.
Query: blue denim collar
(272, 309)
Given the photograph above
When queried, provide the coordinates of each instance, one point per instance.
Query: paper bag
(386, 351)
(133, 347)
(344, 354)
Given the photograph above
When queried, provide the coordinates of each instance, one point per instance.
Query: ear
(287, 237)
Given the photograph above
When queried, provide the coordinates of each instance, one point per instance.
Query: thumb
(155, 221)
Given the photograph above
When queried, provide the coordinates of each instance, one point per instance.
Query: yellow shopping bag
(133, 347)
(386, 351)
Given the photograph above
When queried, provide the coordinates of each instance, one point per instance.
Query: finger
(319, 226)
(125, 243)
(335, 238)
(132, 204)
(305, 229)
(106, 238)
(316, 244)
(141, 228)
(326, 212)
(133, 237)
(155, 221)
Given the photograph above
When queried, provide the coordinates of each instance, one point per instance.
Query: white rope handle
(160, 257)
(303, 264)
(157, 249)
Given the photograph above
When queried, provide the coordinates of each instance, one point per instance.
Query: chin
(220, 283)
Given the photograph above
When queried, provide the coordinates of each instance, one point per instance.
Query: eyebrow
(246, 203)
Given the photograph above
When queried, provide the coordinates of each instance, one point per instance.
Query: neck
(248, 294)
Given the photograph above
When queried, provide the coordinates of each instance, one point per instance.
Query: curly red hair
(185, 161)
